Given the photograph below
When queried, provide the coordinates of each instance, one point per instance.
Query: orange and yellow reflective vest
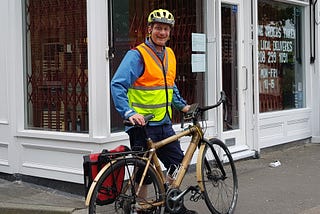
(152, 92)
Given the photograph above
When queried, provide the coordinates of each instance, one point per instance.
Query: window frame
(304, 49)
(98, 82)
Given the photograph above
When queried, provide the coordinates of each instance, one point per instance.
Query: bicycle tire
(220, 192)
(127, 200)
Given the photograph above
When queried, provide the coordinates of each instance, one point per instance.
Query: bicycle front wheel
(123, 198)
(219, 178)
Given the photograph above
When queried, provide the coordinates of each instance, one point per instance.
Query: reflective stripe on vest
(148, 93)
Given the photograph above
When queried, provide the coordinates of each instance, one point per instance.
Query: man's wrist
(129, 113)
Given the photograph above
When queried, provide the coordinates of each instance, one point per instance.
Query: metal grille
(57, 65)
(129, 30)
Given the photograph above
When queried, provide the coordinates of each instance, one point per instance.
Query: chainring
(173, 206)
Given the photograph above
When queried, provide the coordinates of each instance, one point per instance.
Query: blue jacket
(129, 70)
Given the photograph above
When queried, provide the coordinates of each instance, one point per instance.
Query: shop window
(56, 62)
(281, 76)
(128, 23)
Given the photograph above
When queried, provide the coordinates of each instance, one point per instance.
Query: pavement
(291, 188)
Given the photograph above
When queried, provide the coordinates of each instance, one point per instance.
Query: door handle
(246, 79)
(109, 53)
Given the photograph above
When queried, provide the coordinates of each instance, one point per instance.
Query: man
(144, 84)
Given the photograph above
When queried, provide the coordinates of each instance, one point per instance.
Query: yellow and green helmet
(161, 16)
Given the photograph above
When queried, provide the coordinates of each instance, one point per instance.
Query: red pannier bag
(112, 185)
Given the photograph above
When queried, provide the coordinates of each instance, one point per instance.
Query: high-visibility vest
(152, 92)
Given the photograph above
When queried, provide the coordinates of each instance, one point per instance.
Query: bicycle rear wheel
(219, 178)
(126, 200)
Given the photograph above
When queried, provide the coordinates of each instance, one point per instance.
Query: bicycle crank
(174, 200)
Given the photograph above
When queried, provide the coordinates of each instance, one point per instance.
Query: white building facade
(58, 57)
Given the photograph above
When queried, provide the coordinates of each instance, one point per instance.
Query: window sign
(280, 70)
(198, 56)
(198, 42)
(198, 62)
(234, 8)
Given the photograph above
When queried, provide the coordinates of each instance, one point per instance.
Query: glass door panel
(233, 74)
(229, 52)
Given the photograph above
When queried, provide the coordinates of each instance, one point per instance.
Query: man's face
(160, 33)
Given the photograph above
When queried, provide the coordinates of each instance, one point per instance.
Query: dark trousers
(170, 154)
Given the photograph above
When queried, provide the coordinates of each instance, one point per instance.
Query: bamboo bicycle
(217, 181)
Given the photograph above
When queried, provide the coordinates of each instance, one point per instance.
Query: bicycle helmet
(161, 16)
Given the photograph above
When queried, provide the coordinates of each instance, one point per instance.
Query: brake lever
(223, 96)
(182, 121)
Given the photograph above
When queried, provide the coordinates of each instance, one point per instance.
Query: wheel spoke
(219, 180)
(128, 199)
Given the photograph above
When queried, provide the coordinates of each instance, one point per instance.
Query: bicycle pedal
(196, 194)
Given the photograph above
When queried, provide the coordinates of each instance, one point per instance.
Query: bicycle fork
(218, 161)
(219, 164)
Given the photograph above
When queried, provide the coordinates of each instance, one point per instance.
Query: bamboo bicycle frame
(195, 131)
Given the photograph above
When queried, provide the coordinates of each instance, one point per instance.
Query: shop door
(233, 73)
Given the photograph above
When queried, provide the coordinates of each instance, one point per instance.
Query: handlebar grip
(191, 111)
(147, 118)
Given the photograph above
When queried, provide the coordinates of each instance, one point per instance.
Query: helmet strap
(162, 46)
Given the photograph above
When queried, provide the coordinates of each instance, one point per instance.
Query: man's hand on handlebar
(185, 109)
(137, 119)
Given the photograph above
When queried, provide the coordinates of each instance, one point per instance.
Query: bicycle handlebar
(146, 119)
(195, 110)
(222, 99)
